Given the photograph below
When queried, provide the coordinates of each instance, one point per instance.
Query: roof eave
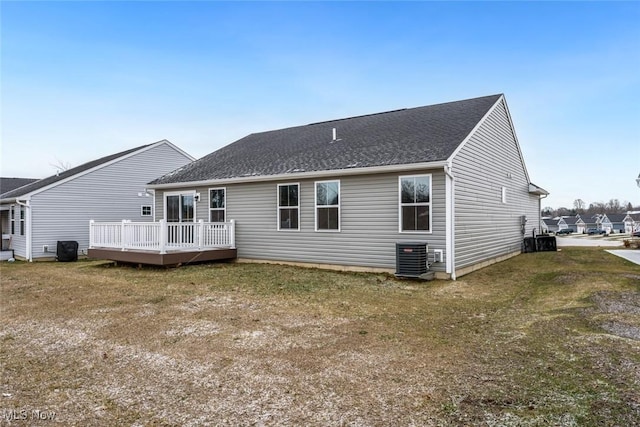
(306, 175)
(10, 200)
(534, 189)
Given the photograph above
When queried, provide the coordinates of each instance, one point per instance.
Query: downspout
(27, 221)
(450, 220)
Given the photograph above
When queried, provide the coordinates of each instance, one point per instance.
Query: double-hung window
(415, 203)
(288, 206)
(328, 206)
(217, 204)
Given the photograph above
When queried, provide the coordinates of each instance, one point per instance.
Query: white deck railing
(162, 236)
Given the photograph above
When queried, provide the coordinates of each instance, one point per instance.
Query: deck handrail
(161, 236)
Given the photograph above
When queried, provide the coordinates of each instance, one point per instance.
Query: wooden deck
(162, 243)
(166, 259)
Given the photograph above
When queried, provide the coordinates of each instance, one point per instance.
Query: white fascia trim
(178, 149)
(515, 137)
(534, 189)
(500, 101)
(95, 168)
(476, 127)
(305, 175)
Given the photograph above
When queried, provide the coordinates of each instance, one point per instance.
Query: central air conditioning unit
(411, 259)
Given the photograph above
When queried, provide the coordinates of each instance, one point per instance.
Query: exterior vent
(411, 259)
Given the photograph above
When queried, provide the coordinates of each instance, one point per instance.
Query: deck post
(123, 235)
(232, 233)
(163, 236)
(200, 234)
(91, 239)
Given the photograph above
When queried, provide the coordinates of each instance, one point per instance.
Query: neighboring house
(551, 225)
(342, 193)
(631, 223)
(568, 222)
(613, 223)
(58, 208)
(585, 222)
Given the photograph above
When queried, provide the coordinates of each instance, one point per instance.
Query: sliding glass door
(181, 218)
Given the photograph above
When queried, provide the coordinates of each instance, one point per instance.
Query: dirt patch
(618, 302)
(621, 313)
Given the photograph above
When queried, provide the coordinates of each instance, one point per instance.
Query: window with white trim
(22, 218)
(328, 206)
(504, 194)
(289, 206)
(13, 219)
(415, 203)
(217, 204)
(146, 210)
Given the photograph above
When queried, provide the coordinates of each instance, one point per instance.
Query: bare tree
(579, 205)
(548, 211)
(60, 165)
(614, 206)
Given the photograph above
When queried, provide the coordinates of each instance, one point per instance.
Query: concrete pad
(632, 255)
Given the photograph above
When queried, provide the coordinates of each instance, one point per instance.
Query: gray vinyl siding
(107, 194)
(485, 227)
(368, 212)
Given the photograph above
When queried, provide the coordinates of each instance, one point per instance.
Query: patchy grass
(541, 339)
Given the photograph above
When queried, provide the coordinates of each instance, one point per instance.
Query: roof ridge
(357, 117)
(401, 109)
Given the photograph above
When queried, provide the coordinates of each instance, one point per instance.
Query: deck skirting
(171, 258)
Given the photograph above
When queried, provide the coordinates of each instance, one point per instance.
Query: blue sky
(85, 79)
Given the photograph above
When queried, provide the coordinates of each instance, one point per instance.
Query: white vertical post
(232, 233)
(91, 237)
(200, 234)
(123, 235)
(163, 236)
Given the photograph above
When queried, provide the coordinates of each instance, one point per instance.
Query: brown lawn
(541, 339)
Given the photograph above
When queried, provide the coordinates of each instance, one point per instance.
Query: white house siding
(107, 194)
(486, 228)
(368, 213)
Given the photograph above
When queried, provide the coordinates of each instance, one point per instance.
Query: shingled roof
(44, 182)
(413, 135)
(9, 184)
